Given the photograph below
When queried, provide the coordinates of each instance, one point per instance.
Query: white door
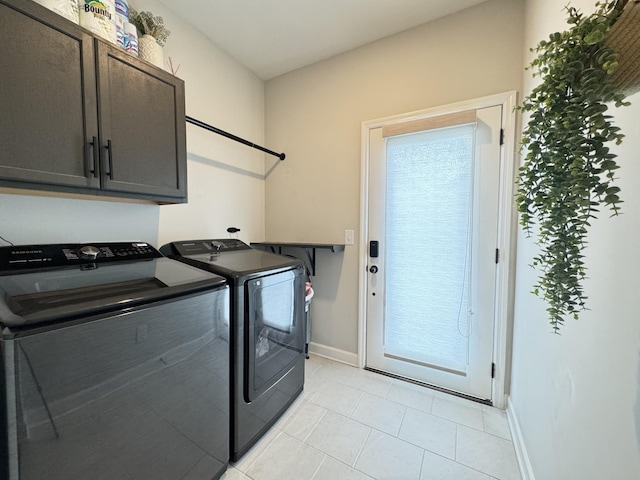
(433, 211)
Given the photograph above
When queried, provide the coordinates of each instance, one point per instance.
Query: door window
(428, 242)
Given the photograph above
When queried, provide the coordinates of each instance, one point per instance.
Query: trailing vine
(568, 170)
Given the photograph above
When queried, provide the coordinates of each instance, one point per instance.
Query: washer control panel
(59, 255)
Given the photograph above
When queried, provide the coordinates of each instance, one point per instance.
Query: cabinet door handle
(94, 166)
(109, 149)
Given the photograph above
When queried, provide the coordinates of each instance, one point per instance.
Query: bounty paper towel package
(99, 16)
(66, 8)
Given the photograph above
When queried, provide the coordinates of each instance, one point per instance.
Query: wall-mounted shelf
(309, 249)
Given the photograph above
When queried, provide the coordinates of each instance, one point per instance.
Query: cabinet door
(142, 127)
(48, 118)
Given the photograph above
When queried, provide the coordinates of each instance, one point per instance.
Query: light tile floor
(350, 424)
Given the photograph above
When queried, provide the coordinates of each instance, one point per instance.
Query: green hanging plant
(568, 169)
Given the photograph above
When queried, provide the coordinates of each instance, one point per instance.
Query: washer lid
(34, 296)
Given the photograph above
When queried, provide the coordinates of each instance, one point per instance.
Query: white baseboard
(526, 471)
(334, 354)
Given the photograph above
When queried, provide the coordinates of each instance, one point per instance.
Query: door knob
(373, 269)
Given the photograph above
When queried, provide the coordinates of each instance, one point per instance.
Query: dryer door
(274, 322)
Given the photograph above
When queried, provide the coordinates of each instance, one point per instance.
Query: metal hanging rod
(206, 126)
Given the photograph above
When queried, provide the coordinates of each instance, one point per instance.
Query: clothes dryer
(267, 330)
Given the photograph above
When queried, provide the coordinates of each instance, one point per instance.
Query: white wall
(27, 219)
(314, 114)
(576, 397)
(225, 179)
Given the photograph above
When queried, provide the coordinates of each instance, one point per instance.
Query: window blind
(431, 123)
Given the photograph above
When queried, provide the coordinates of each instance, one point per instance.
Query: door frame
(507, 221)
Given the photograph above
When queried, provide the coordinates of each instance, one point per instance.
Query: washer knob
(90, 252)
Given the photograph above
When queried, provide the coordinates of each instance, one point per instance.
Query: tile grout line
(353, 410)
(473, 467)
(404, 414)
(318, 468)
(462, 464)
(433, 400)
(422, 462)
(455, 454)
(388, 390)
(280, 432)
(361, 449)
(315, 426)
(510, 440)
(484, 424)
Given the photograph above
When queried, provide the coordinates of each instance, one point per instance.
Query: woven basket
(624, 39)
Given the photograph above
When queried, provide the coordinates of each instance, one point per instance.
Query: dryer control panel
(194, 247)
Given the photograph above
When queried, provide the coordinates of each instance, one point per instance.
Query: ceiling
(272, 37)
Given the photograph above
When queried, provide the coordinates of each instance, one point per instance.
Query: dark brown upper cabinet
(79, 115)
